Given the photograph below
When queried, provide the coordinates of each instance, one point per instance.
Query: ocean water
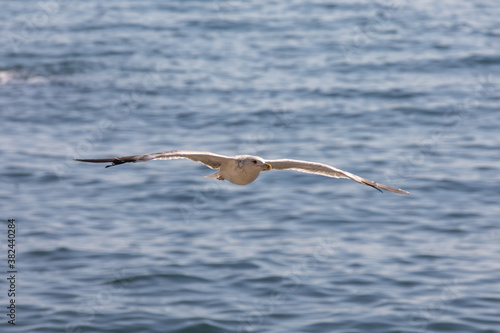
(403, 93)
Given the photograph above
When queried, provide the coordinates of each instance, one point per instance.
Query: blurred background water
(403, 93)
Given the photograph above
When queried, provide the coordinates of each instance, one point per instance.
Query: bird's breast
(238, 175)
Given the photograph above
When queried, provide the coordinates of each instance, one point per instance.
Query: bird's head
(254, 162)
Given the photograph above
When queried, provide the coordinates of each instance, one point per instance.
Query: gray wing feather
(329, 171)
(211, 160)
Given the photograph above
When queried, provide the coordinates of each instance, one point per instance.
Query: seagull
(243, 169)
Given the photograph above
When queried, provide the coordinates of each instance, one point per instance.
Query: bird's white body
(242, 170)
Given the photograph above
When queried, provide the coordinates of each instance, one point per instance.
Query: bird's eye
(254, 161)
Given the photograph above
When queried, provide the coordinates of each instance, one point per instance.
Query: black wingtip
(372, 185)
(114, 161)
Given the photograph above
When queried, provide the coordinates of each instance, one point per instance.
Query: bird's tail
(214, 175)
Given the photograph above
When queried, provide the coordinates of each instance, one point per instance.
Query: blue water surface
(403, 93)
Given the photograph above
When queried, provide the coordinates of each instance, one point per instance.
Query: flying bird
(243, 169)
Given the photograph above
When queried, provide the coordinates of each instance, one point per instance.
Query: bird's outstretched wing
(329, 171)
(211, 160)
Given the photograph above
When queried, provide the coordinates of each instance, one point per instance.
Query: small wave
(20, 77)
(53, 71)
(200, 327)
(482, 59)
(7, 76)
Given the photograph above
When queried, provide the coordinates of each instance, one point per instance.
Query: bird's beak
(267, 167)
